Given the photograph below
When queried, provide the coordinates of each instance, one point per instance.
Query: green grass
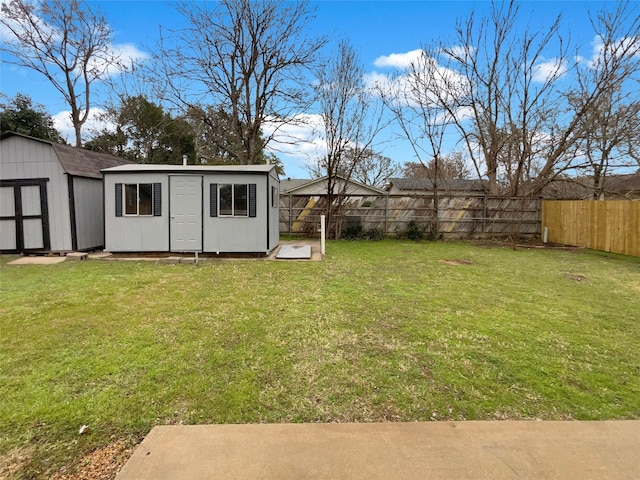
(376, 332)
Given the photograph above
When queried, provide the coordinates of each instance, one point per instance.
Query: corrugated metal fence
(608, 225)
(457, 216)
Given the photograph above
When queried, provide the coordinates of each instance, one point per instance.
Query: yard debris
(456, 262)
(577, 278)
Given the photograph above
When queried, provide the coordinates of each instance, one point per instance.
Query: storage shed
(208, 209)
(50, 196)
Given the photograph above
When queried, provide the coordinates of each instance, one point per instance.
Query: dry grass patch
(15, 460)
(101, 464)
(457, 262)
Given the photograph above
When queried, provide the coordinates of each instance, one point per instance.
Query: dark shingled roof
(85, 163)
(443, 184)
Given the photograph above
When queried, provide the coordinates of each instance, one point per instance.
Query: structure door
(185, 210)
(24, 216)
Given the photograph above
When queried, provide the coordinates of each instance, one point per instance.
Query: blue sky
(375, 28)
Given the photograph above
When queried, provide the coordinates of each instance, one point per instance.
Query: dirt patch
(101, 464)
(14, 460)
(456, 262)
(577, 278)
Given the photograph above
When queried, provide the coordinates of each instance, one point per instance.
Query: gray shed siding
(274, 217)
(259, 234)
(21, 159)
(135, 234)
(237, 234)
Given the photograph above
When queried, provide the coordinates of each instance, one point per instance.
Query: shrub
(374, 234)
(414, 232)
(353, 231)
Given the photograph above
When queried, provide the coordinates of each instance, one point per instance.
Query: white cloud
(7, 35)
(398, 60)
(417, 86)
(127, 56)
(550, 69)
(95, 122)
(628, 46)
(298, 143)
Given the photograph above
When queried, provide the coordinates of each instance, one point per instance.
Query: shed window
(233, 200)
(138, 199)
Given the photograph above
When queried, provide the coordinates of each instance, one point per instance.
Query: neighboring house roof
(623, 184)
(426, 184)
(290, 184)
(77, 161)
(148, 167)
(578, 188)
(318, 186)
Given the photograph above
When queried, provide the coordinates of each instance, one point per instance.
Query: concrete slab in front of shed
(294, 252)
(37, 260)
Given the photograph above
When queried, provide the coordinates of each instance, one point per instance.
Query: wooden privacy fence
(608, 225)
(457, 216)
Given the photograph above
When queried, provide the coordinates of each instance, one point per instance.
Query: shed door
(24, 218)
(185, 209)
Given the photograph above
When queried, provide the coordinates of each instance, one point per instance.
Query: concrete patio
(434, 450)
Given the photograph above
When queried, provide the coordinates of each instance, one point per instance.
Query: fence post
(322, 235)
(386, 214)
(484, 215)
(540, 216)
(290, 214)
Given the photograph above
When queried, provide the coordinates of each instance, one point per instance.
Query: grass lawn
(379, 331)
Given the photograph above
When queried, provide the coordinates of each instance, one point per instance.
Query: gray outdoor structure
(50, 196)
(208, 209)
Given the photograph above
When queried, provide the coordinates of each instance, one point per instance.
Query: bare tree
(414, 99)
(247, 57)
(350, 124)
(368, 167)
(66, 41)
(451, 166)
(410, 98)
(496, 93)
(606, 93)
(497, 87)
(373, 168)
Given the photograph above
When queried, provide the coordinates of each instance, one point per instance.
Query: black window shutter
(252, 200)
(213, 200)
(157, 199)
(118, 199)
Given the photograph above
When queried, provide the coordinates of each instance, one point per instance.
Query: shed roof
(85, 163)
(154, 168)
(76, 161)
